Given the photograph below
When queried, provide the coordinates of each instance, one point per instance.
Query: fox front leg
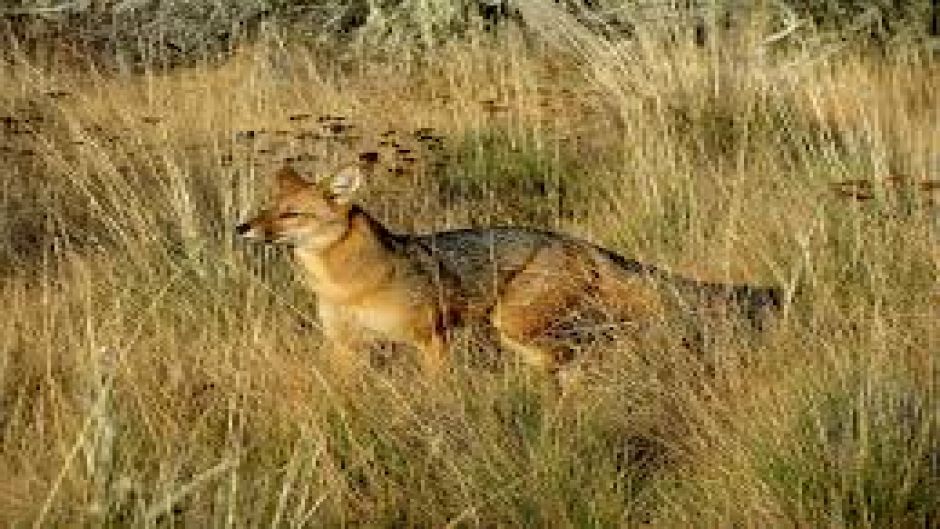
(345, 346)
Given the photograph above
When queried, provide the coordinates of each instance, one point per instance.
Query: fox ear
(287, 180)
(344, 183)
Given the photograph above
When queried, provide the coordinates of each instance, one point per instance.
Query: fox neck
(355, 263)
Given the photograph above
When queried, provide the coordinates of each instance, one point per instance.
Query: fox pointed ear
(344, 183)
(287, 180)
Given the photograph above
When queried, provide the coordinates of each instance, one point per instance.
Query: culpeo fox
(416, 288)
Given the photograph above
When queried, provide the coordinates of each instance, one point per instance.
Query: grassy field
(157, 372)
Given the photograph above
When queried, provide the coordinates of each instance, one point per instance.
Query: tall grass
(154, 371)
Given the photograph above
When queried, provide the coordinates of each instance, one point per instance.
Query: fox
(416, 289)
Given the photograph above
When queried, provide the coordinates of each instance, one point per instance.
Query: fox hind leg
(533, 302)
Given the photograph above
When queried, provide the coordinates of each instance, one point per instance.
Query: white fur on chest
(388, 313)
(385, 321)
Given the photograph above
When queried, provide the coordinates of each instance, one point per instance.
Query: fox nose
(242, 229)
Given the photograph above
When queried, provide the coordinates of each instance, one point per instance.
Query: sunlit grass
(155, 371)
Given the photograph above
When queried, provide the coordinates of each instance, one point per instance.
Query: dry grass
(156, 372)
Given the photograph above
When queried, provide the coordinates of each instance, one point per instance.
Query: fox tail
(752, 302)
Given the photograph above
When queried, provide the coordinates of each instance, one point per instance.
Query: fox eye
(289, 214)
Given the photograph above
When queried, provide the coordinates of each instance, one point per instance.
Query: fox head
(305, 214)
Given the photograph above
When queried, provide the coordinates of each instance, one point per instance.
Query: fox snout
(259, 229)
(250, 230)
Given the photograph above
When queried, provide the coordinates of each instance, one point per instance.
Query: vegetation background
(155, 372)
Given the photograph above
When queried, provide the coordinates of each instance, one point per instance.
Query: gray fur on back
(484, 260)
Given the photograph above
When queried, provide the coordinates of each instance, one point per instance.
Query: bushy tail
(756, 302)
(752, 302)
